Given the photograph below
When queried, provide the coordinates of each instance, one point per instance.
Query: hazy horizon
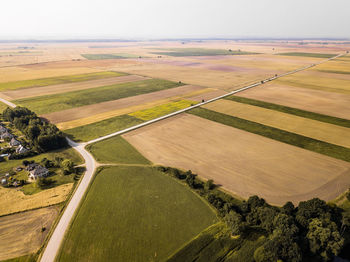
(162, 19)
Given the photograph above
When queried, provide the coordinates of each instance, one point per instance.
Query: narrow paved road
(53, 246)
(55, 241)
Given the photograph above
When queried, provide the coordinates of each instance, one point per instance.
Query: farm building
(6, 135)
(4, 181)
(38, 171)
(21, 150)
(14, 142)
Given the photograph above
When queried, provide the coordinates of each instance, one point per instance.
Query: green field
(101, 128)
(161, 110)
(207, 246)
(307, 54)
(198, 52)
(2, 107)
(108, 56)
(57, 80)
(52, 103)
(293, 111)
(116, 150)
(308, 143)
(134, 214)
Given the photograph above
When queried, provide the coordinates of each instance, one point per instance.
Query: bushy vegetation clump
(43, 136)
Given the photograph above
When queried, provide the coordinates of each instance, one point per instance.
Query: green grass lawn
(52, 103)
(108, 56)
(198, 52)
(57, 80)
(134, 214)
(101, 128)
(318, 55)
(293, 111)
(67, 153)
(308, 143)
(116, 150)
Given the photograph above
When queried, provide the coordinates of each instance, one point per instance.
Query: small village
(23, 174)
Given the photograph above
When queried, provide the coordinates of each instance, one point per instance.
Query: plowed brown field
(243, 163)
(20, 234)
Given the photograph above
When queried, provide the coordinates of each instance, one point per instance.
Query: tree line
(42, 136)
(312, 231)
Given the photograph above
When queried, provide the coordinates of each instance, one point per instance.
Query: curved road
(53, 246)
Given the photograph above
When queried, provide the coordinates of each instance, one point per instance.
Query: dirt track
(243, 163)
(20, 234)
(62, 88)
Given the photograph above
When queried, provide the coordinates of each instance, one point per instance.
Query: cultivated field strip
(327, 103)
(243, 163)
(63, 88)
(292, 110)
(58, 102)
(303, 126)
(128, 105)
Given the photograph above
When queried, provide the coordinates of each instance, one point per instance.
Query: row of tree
(43, 136)
(314, 230)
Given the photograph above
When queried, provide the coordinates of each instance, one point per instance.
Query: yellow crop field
(164, 109)
(303, 126)
(48, 197)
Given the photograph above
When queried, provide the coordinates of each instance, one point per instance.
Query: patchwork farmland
(284, 140)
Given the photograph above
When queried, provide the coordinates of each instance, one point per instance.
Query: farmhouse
(2, 129)
(37, 171)
(21, 150)
(6, 135)
(14, 142)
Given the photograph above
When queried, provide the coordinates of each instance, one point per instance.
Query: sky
(147, 19)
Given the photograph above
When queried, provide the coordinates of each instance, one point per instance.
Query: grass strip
(318, 55)
(58, 80)
(116, 150)
(179, 52)
(101, 128)
(58, 102)
(293, 111)
(308, 143)
(108, 56)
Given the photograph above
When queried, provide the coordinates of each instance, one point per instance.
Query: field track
(62, 88)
